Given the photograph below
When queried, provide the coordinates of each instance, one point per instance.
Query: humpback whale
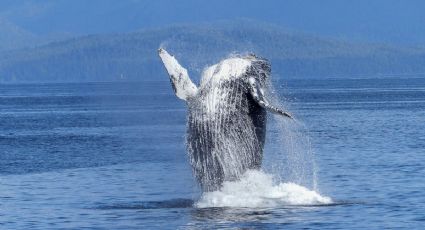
(226, 121)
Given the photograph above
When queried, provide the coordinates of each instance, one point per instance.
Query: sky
(388, 21)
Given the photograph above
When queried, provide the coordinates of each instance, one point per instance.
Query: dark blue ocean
(112, 156)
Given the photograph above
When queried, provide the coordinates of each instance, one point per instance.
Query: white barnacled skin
(225, 70)
(183, 86)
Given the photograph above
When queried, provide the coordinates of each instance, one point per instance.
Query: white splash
(256, 189)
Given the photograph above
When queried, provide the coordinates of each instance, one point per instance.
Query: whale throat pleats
(225, 133)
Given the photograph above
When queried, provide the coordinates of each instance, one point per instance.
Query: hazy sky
(396, 21)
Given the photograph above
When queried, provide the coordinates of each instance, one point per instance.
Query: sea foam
(257, 189)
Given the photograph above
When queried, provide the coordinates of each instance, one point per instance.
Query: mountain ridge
(132, 56)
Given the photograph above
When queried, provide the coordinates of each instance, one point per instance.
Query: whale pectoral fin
(258, 94)
(182, 85)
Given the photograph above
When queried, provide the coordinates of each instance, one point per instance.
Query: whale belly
(226, 132)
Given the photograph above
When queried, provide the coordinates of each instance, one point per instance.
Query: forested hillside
(133, 56)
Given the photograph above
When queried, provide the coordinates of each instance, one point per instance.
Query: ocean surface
(112, 156)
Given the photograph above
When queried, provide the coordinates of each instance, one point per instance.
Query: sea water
(112, 156)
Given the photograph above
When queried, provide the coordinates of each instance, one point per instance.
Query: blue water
(112, 156)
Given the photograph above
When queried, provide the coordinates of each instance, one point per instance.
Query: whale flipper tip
(182, 85)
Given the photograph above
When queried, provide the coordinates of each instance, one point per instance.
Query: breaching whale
(226, 123)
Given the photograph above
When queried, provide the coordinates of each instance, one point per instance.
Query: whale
(226, 116)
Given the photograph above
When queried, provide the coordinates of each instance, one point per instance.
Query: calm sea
(112, 156)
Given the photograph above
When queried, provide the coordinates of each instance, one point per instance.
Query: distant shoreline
(277, 80)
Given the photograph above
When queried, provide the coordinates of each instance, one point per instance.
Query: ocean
(112, 156)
